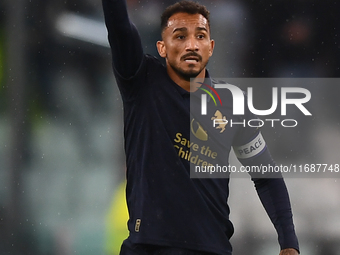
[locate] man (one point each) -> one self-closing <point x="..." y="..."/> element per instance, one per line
<point x="171" y="213"/>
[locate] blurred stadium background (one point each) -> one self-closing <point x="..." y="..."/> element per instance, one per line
<point x="61" y="146"/>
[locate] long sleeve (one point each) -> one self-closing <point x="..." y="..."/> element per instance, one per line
<point x="124" y="39"/>
<point x="274" y="197"/>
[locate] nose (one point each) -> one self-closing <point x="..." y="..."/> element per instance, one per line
<point x="191" y="44"/>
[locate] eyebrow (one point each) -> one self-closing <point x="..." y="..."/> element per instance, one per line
<point x="184" y="29"/>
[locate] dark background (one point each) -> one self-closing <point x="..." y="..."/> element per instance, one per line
<point x="61" y="159"/>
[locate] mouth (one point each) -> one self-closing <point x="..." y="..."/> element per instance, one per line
<point x="192" y="58"/>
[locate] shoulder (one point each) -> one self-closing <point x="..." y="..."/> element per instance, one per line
<point x="150" y="70"/>
<point x="153" y="61"/>
<point x="149" y="65"/>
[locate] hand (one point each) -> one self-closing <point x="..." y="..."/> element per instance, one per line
<point x="289" y="251"/>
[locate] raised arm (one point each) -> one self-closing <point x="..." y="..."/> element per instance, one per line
<point x="124" y="39"/>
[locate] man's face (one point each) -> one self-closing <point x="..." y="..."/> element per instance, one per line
<point x="186" y="44"/>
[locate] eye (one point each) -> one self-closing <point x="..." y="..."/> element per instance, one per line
<point x="201" y="36"/>
<point x="181" y="37"/>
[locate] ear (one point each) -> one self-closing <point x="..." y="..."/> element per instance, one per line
<point x="161" y="48"/>
<point x="212" y="45"/>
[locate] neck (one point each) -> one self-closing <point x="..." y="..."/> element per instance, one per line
<point x="183" y="82"/>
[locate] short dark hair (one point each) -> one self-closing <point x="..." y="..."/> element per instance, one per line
<point x="189" y="7"/>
